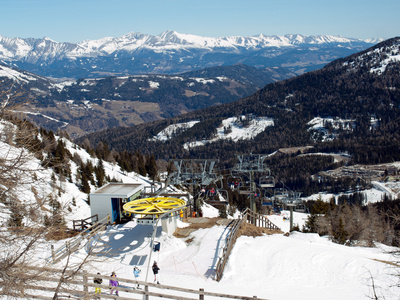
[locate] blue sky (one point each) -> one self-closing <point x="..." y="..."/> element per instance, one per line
<point x="78" y="20"/>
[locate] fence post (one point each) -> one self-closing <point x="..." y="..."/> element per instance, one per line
<point x="201" y="295"/>
<point x="85" y="281"/>
<point x="52" y="254"/>
<point x="146" y="295"/>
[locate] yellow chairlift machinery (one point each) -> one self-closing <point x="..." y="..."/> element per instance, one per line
<point x="153" y="205"/>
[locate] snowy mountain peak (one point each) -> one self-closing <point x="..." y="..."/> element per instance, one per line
<point x="173" y="39"/>
<point x="146" y="53"/>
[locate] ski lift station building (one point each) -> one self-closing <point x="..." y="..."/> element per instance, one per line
<point x="109" y="199"/>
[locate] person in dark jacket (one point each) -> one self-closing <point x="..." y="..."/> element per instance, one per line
<point x="97" y="290"/>
<point x="155" y="272"/>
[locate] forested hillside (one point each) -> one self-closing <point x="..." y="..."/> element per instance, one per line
<point x="357" y="98"/>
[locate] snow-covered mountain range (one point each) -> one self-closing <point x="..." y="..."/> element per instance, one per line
<point x="173" y="52"/>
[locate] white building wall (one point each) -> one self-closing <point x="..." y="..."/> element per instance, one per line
<point x="170" y="224"/>
<point x="100" y="205"/>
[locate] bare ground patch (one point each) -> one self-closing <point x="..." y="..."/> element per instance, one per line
<point x="251" y="230"/>
<point x="208" y="223"/>
<point x="247" y="229"/>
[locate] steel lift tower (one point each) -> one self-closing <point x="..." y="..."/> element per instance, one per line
<point x="194" y="173"/>
<point x="253" y="166"/>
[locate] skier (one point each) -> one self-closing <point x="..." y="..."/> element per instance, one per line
<point x="136" y="272"/>
<point x="155" y="272"/>
<point x="113" y="283"/>
<point x="96" y="280"/>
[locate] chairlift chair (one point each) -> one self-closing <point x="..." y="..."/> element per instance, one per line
<point x="281" y="194"/>
<point x="220" y="198"/>
<point x="267" y="182"/>
<point x="211" y="193"/>
<point x="245" y="189"/>
<point x="234" y="182"/>
<point x="301" y="208"/>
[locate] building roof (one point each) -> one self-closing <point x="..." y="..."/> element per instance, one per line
<point x="124" y="190"/>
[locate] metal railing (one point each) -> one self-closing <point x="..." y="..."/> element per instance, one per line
<point x="247" y="216"/>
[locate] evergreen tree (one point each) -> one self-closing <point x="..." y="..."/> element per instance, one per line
<point x="140" y="164"/>
<point x="151" y="168"/>
<point x="339" y="234"/>
<point x="85" y="174"/>
<point x="311" y="224"/>
<point x="100" y="173"/>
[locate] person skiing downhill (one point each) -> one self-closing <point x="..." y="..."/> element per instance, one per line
<point x="155" y="272"/>
<point x="136" y="272"/>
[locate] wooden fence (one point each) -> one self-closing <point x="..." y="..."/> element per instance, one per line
<point x="73" y="245"/>
<point x="79" y="285"/>
<point x="84" y="224"/>
<point x="258" y="220"/>
<point x="247" y="216"/>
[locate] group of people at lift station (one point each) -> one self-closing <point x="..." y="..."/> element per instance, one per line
<point x="113" y="283"/>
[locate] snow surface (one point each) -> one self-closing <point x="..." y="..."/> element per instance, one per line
<point x="298" y="266"/>
<point x="170" y="130"/>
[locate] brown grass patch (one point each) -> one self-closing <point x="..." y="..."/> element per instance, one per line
<point x="60" y="234"/>
<point x="189" y="240"/>
<point x="251" y="230"/>
<point x="247" y="229"/>
<point x="209" y="222"/>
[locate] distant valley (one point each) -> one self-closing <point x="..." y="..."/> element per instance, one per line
<point x="88" y="105"/>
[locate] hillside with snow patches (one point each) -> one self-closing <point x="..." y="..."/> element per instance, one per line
<point x="87" y="105"/>
<point x="230" y="129"/>
<point x="378" y="59"/>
